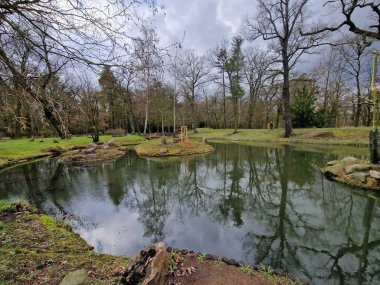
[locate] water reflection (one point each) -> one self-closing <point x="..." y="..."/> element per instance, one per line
<point x="261" y="205"/>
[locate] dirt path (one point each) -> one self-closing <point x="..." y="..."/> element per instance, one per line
<point x="194" y="270"/>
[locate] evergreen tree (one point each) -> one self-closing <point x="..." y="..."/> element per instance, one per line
<point x="235" y="66"/>
<point x="109" y="85"/>
<point x="303" y="109"/>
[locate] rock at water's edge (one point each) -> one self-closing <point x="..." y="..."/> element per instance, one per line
<point x="354" y="172"/>
<point x="92" y="145"/>
<point x="334" y="171"/>
<point x="89" y="150"/>
<point x="332" y="163"/>
<point x="112" y="143"/>
<point x="374" y="174"/>
<point x="78" y="277"/>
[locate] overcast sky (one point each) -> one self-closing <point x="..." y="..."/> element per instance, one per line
<point x="207" y="22"/>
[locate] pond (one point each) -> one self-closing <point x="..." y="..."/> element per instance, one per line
<point x="268" y="205"/>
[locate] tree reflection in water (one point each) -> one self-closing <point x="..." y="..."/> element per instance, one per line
<point x="261" y="204"/>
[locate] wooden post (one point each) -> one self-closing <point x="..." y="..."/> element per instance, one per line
<point x="184" y="136"/>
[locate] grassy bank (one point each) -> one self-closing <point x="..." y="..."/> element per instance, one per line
<point x="153" y="148"/>
<point x="19" y="150"/>
<point x="327" y="136"/>
<point x="35" y="249"/>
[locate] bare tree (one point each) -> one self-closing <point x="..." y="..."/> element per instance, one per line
<point x="280" y="22"/>
<point x="192" y="74"/>
<point x="149" y="59"/>
<point x="70" y="30"/>
<point x="127" y="79"/>
<point x="92" y="105"/>
<point x="348" y="9"/>
<point x="257" y="71"/>
<point x="219" y="59"/>
<point x="354" y="55"/>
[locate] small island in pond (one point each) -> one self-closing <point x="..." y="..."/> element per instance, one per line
<point x="94" y="152"/>
<point x="354" y="172"/>
<point x="172" y="147"/>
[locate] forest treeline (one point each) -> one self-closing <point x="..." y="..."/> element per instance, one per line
<point x="71" y="68"/>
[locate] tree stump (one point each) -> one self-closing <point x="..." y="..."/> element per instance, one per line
<point x="149" y="268"/>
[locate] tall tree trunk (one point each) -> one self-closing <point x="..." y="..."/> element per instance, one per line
<point x="358" y="107"/>
<point x="18" y="115"/>
<point x="174" y="107"/>
<point x="278" y="114"/>
<point x="236" y="115"/>
<point x="131" y="115"/>
<point x="373" y="136"/>
<point x="162" y="123"/>
<point x="208" y="119"/>
<point x="327" y="84"/>
<point x="111" y="122"/>
<point x="146" y="117"/>
<point x="29" y="123"/>
<point x="224" y="102"/>
<point x="250" y="107"/>
<point x="286" y="96"/>
<point x="193" y="118"/>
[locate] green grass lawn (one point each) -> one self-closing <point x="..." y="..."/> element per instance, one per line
<point x="12" y="151"/>
<point x="333" y="136"/>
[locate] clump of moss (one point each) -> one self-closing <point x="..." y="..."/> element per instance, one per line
<point x="2" y="226"/>
<point x="4" y="206"/>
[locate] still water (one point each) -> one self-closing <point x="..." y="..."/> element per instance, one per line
<point x="265" y="205"/>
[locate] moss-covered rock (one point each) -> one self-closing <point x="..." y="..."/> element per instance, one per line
<point x="356" y="168"/>
<point x="94" y="153"/>
<point x="334" y="170"/>
<point x="334" y="162"/>
<point x="354" y="172"/>
<point x="78" y="277"/>
<point x="360" y="177"/>
<point x="349" y="160"/>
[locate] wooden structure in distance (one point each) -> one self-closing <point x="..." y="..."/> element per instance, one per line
<point x="184" y="136"/>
